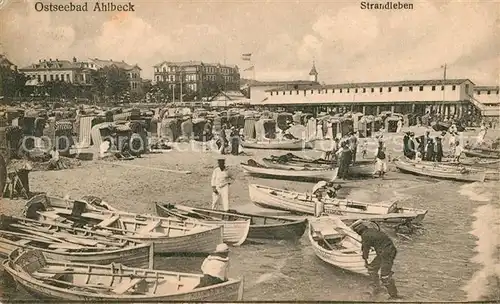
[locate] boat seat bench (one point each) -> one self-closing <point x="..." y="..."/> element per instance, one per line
<point x="53" y="274"/>
<point x="125" y="286"/>
<point x="149" y="227"/>
<point x="108" y="221"/>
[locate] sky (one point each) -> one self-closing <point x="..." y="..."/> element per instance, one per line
<point x="346" y="43"/>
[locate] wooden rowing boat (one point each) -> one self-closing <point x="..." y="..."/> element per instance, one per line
<point x="261" y="227"/>
<point x="296" y="144"/>
<point x="482" y="153"/>
<point x="236" y="227"/>
<point x="60" y="280"/>
<point x="358" y="169"/>
<point x="337" y="244"/>
<point x="302" y="203"/>
<point x="491" y="167"/>
<point x="292" y="158"/>
<point x="169" y="235"/>
<point x="71" y="244"/>
<point x="92" y="203"/>
<point x="440" y="171"/>
<point x="304" y="174"/>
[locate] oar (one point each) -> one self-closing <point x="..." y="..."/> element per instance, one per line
<point x="26" y="237"/>
<point x="67" y="237"/>
<point x="83" y="237"/>
<point x="123" y="275"/>
<point x="320" y="235"/>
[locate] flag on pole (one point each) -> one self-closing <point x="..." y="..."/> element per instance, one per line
<point x="246" y="57"/>
<point x="249" y="68"/>
<point x="444" y="72"/>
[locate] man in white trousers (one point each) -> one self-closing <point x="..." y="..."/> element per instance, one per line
<point x="220" y="185"/>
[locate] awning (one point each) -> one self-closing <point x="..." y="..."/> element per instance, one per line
<point x="32" y="83"/>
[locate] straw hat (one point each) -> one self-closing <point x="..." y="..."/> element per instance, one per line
<point x="222" y="248"/>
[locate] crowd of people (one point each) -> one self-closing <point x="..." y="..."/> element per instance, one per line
<point x="428" y="148"/>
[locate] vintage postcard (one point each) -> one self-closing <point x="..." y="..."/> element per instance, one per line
<point x="277" y="151"/>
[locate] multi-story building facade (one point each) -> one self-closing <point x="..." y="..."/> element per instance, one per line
<point x="197" y="75"/>
<point x="78" y="72"/>
<point x="58" y="70"/>
<point x="133" y="71"/>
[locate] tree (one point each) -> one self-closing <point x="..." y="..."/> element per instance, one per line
<point x="110" y="81"/>
<point x="12" y="83"/>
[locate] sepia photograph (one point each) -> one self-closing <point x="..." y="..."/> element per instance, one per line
<point x="249" y="151"/>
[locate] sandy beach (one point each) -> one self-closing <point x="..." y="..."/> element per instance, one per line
<point x="448" y="253"/>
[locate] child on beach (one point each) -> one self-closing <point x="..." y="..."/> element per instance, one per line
<point x="458" y="152"/>
<point x="418" y="157"/>
<point x="364" y="148"/>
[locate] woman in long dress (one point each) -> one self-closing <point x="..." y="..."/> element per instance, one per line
<point x="319" y="130"/>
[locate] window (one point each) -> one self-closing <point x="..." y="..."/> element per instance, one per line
<point x="467" y="87"/>
<point x="373" y="90"/>
<point x="400" y="89"/>
<point x="442" y="88"/>
<point x="312" y="91"/>
<point x="388" y="89"/>
<point x="478" y="92"/>
<point x="355" y="90"/>
<point x="164" y="69"/>
<point x="348" y="90"/>
<point x="39" y="78"/>
<point x="157" y="78"/>
<point x="364" y="90"/>
<point x="433" y="88"/>
<point x="290" y="92"/>
<point x="283" y="92"/>
<point x="488" y="92"/>
<point x="453" y="88"/>
<point x="51" y="77"/>
<point x="45" y="78"/>
<point x="340" y="90"/>
<point x="297" y="92"/>
<point x="410" y="89"/>
<point x="421" y="88"/>
<point x="305" y="93"/>
<point x="319" y="91"/>
<point x="380" y="90"/>
<point x="271" y="93"/>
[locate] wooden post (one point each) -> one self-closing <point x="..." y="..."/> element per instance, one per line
<point x="241" y="289"/>
<point x="152" y="256"/>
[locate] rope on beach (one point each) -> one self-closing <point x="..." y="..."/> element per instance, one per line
<point x="144" y="167"/>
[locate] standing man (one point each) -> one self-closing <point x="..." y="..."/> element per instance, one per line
<point x="438" y="150"/>
<point x="386" y="253"/>
<point x="353" y="145"/>
<point x="422" y="143"/>
<point x="380" y="161"/>
<point x="344" y="160"/>
<point x="220" y="185"/>
<point x="215" y="267"/>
